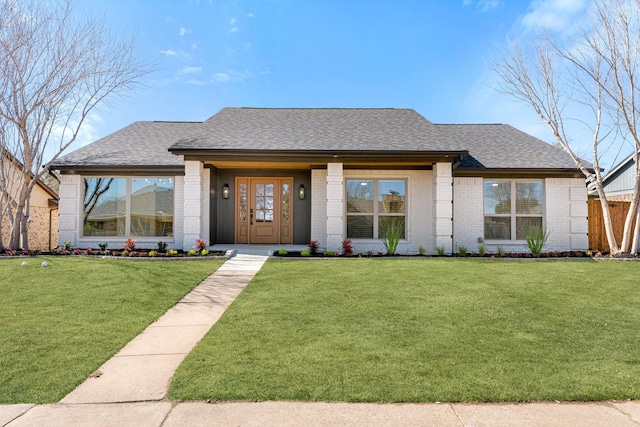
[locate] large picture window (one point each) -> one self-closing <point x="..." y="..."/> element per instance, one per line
<point x="507" y="217"/>
<point x="374" y="205"/>
<point x="120" y="207"/>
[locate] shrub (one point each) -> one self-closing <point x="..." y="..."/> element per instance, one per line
<point x="152" y="254"/>
<point x="200" y="245"/>
<point x="103" y="246"/>
<point x="204" y="252"/>
<point x="440" y="250"/>
<point x="392" y="237"/>
<point x="536" y="238"/>
<point x="347" y="248"/>
<point x="482" y="249"/>
<point x="422" y="250"/>
<point x="129" y="245"/>
<point x="313" y="247"/>
<point x="329" y="253"/>
<point x="162" y="246"/>
<point x="500" y="251"/>
<point x="305" y="253"/>
<point x="282" y="252"/>
<point x="172" y="252"/>
<point x="192" y="252"/>
<point x="462" y="250"/>
<point x="67" y="245"/>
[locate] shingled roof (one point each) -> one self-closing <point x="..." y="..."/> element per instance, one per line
<point x="138" y="144"/>
<point x="313" y="129"/>
<point x="255" y="130"/>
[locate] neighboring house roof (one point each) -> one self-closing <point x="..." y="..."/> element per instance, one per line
<point x="14" y="162"/>
<point x="386" y="131"/>
<point x="620" y="180"/>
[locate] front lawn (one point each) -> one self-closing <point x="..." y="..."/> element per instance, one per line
<point x="416" y="330"/>
<point x="60" y="323"/>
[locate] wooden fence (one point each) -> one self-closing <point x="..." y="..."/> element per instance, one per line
<point x="597" y="234"/>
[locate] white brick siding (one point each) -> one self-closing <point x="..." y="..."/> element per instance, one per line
<point x="70" y="214"/>
<point x="468" y="213"/>
<point x="565" y="215"/>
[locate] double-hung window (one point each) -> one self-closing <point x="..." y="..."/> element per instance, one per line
<point x="511" y="208"/>
<point x="375" y="205"/>
<point x="122" y="207"/>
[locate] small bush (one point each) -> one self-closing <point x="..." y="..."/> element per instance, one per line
<point x="282" y="252"/>
<point x="392" y="236"/>
<point x="500" y="251"/>
<point x="305" y="253"/>
<point x="313" y="247"/>
<point x="153" y="254"/>
<point x="329" y="253"/>
<point x="200" y="245"/>
<point x="162" y="246"/>
<point x="536" y="239"/>
<point x="421" y="250"/>
<point x="192" y="252"/>
<point x="482" y="249"/>
<point x="103" y="246"/>
<point x="347" y="248"/>
<point x="440" y="250"/>
<point x="462" y="250"/>
<point x="204" y="252"/>
<point x="129" y="245"/>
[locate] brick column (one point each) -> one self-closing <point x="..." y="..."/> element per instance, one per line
<point x="335" y="206"/>
<point x="193" y="203"/>
<point x="442" y="206"/>
<point x="69" y="210"/>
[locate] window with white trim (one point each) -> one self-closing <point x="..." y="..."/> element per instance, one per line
<point x="374" y="205"/>
<point x="123" y="207"/>
<point x="507" y="217"/>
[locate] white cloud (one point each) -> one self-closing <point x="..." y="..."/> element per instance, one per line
<point x="190" y="70"/>
<point x="227" y="77"/>
<point x="169" y="52"/>
<point x="250" y="15"/>
<point x="220" y="77"/>
<point x="554" y="15"/>
<point x="233" y="21"/>
<point x="183" y="31"/>
<point x="234" y="30"/>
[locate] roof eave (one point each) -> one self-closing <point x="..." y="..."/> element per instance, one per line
<point x="119" y="169"/>
<point x="320" y="156"/>
<point x="520" y="172"/>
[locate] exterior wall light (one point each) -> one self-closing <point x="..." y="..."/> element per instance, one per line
<point x="225" y="191"/>
<point x="301" y="192"/>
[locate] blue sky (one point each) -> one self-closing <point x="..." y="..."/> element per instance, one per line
<point x="429" y="55"/>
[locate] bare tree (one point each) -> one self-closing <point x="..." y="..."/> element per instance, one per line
<point x="590" y="79"/>
<point x="56" y="66"/>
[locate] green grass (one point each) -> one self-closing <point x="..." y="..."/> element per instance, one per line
<point x="417" y="330"/>
<point x="59" y="324"/>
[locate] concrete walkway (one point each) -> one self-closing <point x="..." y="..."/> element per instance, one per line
<point x="130" y="389"/>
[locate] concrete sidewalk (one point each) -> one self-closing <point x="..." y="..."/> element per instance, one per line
<point x="143" y="369"/>
<point x="174" y="414"/>
<point x="130" y="389"/>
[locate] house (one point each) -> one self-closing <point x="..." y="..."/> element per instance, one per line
<point x="287" y="176"/>
<point x="43" y="208"/>
<point x="618" y="183"/>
